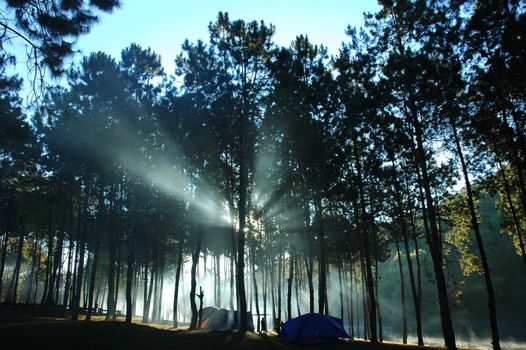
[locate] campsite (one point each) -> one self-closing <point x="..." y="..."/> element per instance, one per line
<point x="320" y="174"/>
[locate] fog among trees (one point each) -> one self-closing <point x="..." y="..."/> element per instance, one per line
<point x="384" y="185"/>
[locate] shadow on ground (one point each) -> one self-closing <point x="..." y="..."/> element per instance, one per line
<point x="47" y="334"/>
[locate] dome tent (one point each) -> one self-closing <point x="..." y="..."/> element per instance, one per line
<point x="313" y="327"/>
<point x="214" y="318"/>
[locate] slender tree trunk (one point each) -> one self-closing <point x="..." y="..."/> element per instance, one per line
<point x="193" y="283"/>
<point x="82" y="250"/>
<point x="98" y="234"/>
<point x="482" y="252"/>
<point x="110" y="314"/>
<point x="380" y="326"/>
<point x="77" y="251"/>
<point x="200" y="313"/>
<point x="67" y="286"/>
<point x="49" y="260"/>
<point x="34" y="255"/>
<point x="129" y="276"/>
<point x="2" y="262"/>
<point x="57" y="262"/>
<point x="12" y="297"/>
<point x="117" y="276"/>
<point x="177" y="279"/>
<point x="357" y="308"/>
<point x="351" y="308"/>
<point x="158" y="316"/>
<point x="265" y="291"/>
<point x="146" y="306"/>
<point x="367" y="256"/>
<point x="87" y="273"/>
<point x="130" y="261"/>
<point x="416" y="294"/>
<point x="309" y="258"/>
<point x="445" y="316"/>
<point x="418" y="266"/>
<point x="289" y="287"/>
<point x="402" y="291"/>
<point x="37" y="274"/>
<point x="218" y="262"/>
<point x="296" y="283"/>
<point x="243" y="186"/>
<point x="340" y="282"/>
<point x="322" y="273"/>
<point x="272" y="288"/>
<point x="256" y="295"/>
<point x="516" y="221"/>
<point x="278" y="284"/>
<point x="146" y="311"/>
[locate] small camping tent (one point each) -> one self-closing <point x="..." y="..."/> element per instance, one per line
<point x="312" y="327"/>
<point x="214" y="318"/>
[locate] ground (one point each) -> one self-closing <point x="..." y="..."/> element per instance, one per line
<point x="26" y="331"/>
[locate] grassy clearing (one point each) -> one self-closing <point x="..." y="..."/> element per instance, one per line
<point x="56" y="334"/>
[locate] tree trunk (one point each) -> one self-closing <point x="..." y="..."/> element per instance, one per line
<point x="254" y="281"/>
<point x="77" y="251"/>
<point x="243" y="186"/>
<point x="67" y="285"/>
<point x="416" y="294"/>
<point x="351" y="308"/>
<point x="5" y="243"/>
<point x="380" y="327"/>
<point x="12" y="296"/>
<point x="177" y="279"/>
<point x="278" y="284"/>
<point x="193" y="283"/>
<point x="402" y="292"/>
<point x="516" y="221"/>
<point x="322" y="265"/>
<point x="82" y="250"/>
<point x="117" y="276"/>
<point x="309" y="259"/>
<point x="289" y="287"/>
<point x="32" y="271"/>
<point x="367" y="256"/>
<point x="57" y="262"/>
<point x="482" y="252"/>
<point x="49" y="260"/>
<point x="130" y="273"/>
<point x="296" y="283"/>
<point x="445" y="316"/>
<point x="98" y="234"/>
<point x="110" y="314"/>
<point x="37" y="274"/>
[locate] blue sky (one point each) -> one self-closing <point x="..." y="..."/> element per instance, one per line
<point x="163" y="25"/>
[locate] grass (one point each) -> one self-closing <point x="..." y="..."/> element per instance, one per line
<point x="43" y="333"/>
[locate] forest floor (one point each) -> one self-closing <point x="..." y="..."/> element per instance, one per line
<point x="28" y="331"/>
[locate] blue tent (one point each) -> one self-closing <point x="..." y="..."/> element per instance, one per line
<point x="308" y="327"/>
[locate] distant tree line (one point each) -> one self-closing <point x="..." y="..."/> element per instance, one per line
<point x="280" y="164"/>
